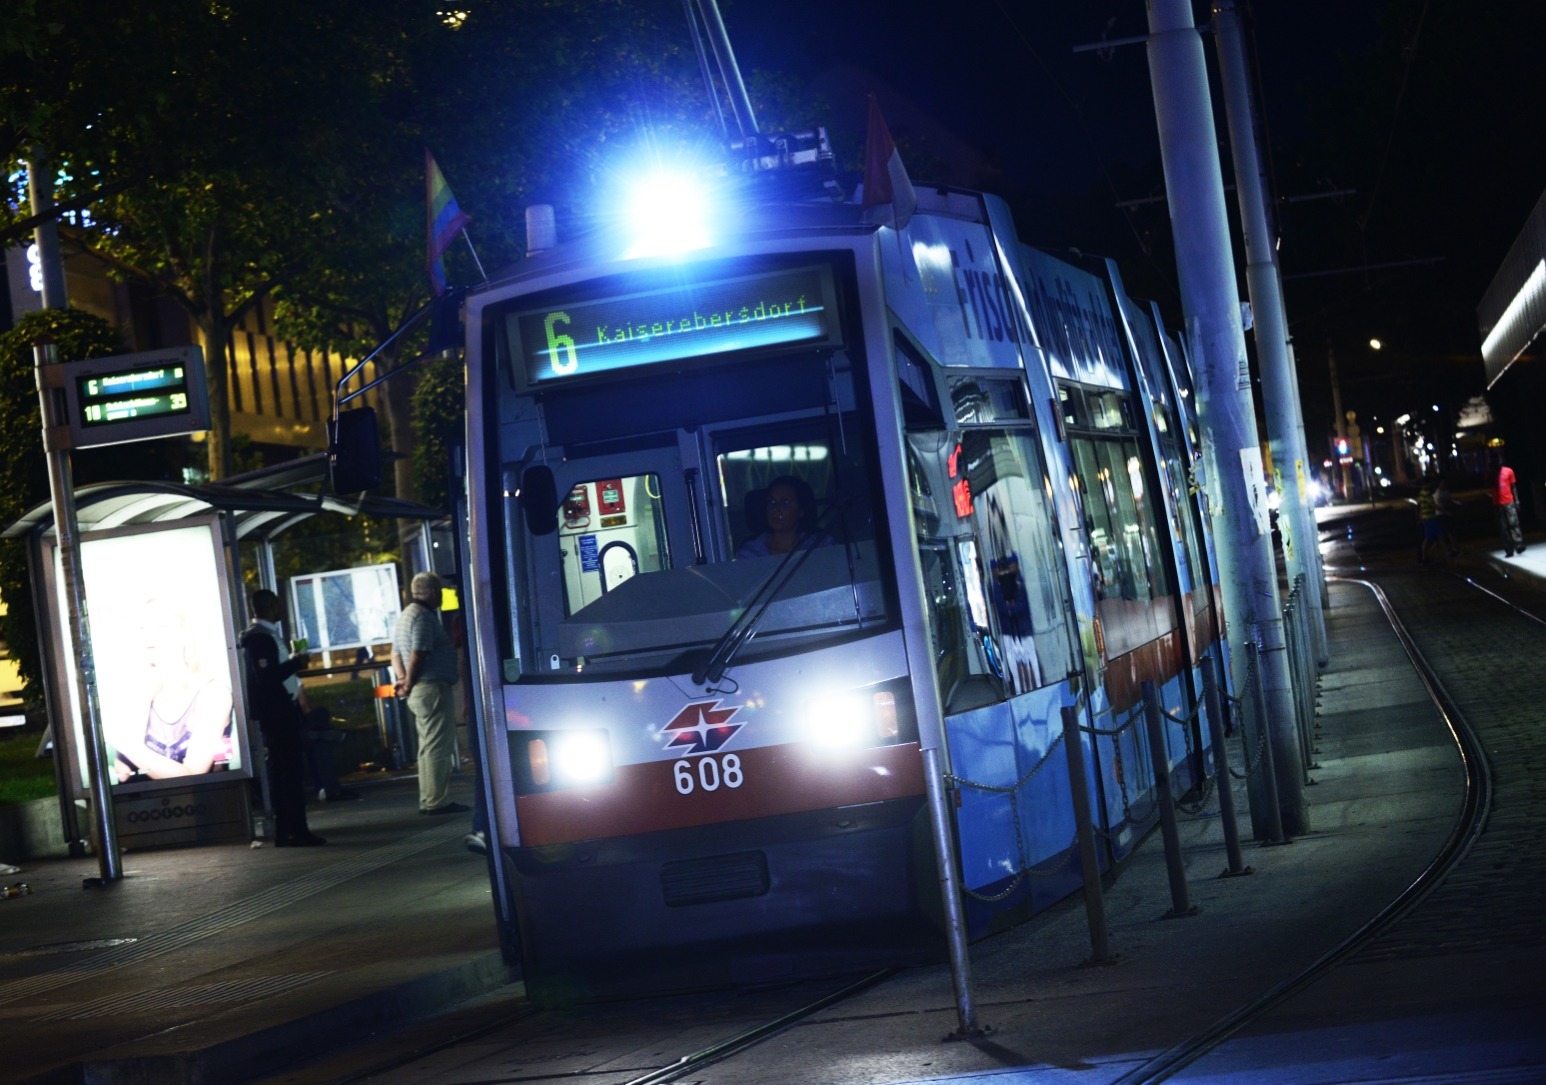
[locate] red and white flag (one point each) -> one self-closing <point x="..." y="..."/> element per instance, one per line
<point x="889" y="199"/>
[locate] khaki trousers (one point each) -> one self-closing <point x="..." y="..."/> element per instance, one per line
<point x="433" y="713"/>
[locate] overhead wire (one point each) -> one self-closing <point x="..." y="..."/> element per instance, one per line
<point x="1084" y="127"/>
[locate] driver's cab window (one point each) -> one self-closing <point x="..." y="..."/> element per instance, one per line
<point x="609" y="531"/>
<point x="780" y="487"/>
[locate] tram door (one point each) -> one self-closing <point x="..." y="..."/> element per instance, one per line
<point x="994" y="587"/>
<point x="1134" y="597"/>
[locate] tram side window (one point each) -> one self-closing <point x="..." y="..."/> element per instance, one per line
<point x="990" y="564"/>
<point x="1175" y="469"/>
<point x="1117" y="510"/>
<point x="610" y="530"/>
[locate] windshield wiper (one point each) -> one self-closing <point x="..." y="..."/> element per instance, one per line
<point x="741" y="630"/>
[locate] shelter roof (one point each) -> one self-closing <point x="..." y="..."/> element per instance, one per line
<point x="263" y="502"/>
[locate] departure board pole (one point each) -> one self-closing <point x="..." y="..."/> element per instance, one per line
<point x="61" y="483"/>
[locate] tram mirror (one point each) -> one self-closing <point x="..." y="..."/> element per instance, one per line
<point x="539" y="500"/>
<point x="353" y="451"/>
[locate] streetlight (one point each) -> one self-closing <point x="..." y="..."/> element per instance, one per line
<point x="1375" y="344"/>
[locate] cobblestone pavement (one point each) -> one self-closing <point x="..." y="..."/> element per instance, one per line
<point x="1492" y="662"/>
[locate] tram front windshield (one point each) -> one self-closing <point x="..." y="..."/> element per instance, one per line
<point x="686" y="490"/>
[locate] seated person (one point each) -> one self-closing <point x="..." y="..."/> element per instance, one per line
<point x="789" y="511"/>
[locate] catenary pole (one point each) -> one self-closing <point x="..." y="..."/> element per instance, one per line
<point x="1315" y="551"/>
<point x="1269" y="323"/>
<point x="40" y="188"/>
<point x="61" y="482"/>
<point x="1194" y="188"/>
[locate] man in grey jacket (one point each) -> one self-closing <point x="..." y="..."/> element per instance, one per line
<point x="424" y="661"/>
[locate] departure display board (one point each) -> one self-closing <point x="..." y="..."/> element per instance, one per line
<point x="135" y="397"/>
<point x="717" y="316"/>
<point x="136" y="393"/>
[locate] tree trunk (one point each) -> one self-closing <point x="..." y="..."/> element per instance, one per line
<point x="216" y="335"/>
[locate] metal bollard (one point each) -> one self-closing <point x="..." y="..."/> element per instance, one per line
<point x="1180" y="904"/>
<point x="1264" y="736"/>
<point x="1089" y="862"/>
<point x="1210" y="698"/>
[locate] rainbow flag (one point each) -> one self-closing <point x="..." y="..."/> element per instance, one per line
<point x="445" y="220"/>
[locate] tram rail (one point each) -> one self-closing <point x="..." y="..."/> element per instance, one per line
<point x="1468" y="828"/>
<point x="1476" y="805"/>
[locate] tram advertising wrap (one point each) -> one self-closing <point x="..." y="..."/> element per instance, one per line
<point x="162" y="647"/>
<point x="714" y="317"/>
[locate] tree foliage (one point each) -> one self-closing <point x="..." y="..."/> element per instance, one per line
<point x="23" y="469"/>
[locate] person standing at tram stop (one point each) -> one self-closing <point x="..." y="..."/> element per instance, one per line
<point x="272" y="704"/>
<point x="1433" y="528"/>
<point x="424" y="660"/>
<point x="1505" y="501"/>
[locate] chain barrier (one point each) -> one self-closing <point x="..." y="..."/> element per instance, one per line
<point x="1193" y="810"/>
<point x="1115" y="735"/>
<point x="1253" y="760"/>
<point x="1013" y="791"/>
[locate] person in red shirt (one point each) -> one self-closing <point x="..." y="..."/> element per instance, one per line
<point x="1505" y="501"/>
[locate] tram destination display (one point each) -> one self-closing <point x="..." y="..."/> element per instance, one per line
<point x="136" y="397"/>
<point x="716" y="316"/>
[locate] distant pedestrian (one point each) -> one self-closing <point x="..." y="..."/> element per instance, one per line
<point x="279" y="717"/>
<point x="1505" y="502"/>
<point x="425" y="662"/>
<point x="1446" y="504"/>
<point x="1428" y="515"/>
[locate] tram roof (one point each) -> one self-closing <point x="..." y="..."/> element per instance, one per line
<point x="752" y="220"/>
<point x="264" y="502"/>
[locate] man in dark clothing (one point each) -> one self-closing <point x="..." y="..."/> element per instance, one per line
<point x="271" y="703"/>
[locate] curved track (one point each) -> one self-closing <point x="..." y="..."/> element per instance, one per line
<point x="1376" y="938"/>
<point x="1477" y="803"/>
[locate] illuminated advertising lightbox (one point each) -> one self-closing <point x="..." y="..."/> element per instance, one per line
<point x="165" y="655"/>
<point x="717" y="316"/>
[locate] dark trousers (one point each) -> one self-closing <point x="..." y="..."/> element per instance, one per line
<point x="319" y="752"/>
<point x="1508" y="527"/>
<point x="285" y="769"/>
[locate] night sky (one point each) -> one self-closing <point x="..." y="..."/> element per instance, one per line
<point x="1451" y="173"/>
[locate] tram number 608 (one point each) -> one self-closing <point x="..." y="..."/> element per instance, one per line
<point x="710" y="774"/>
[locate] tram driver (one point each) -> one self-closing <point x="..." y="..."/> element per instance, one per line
<point x="788" y="511"/>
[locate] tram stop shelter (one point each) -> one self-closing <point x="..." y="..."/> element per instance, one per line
<point x="167" y="600"/>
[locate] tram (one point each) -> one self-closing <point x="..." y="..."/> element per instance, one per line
<point x="761" y="503"/>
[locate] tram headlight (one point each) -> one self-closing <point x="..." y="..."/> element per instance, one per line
<point x="839" y="721"/>
<point x="581" y="757"/>
<point x="850" y="719"/>
<point x="666" y="213"/>
<point x="554" y="759"/>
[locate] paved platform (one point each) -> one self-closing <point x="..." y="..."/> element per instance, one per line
<point x="1385" y="800"/>
<point x="221" y="964"/>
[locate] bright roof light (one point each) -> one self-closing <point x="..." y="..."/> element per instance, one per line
<point x="666" y="213"/>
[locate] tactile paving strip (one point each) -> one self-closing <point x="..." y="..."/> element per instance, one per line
<point x="176" y="998"/>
